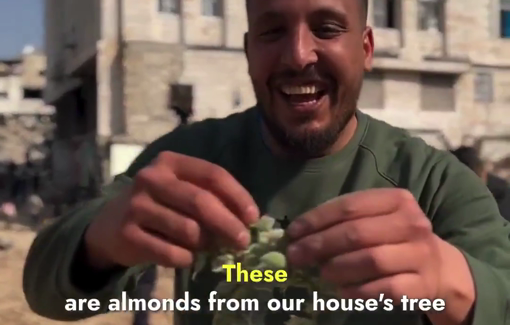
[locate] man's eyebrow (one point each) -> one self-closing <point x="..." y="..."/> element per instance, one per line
<point x="268" y="16"/>
<point x="324" y="12"/>
<point x="332" y="13"/>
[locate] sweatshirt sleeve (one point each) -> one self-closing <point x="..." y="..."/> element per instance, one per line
<point x="465" y="214"/>
<point x="48" y="275"/>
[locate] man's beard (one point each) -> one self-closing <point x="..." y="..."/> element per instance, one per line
<point x="305" y="143"/>
<point x="308" y="144"/>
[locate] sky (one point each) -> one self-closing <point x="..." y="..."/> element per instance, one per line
<point x="21" y="23"/>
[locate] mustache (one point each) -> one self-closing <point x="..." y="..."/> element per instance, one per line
<point x="310" y="73"/>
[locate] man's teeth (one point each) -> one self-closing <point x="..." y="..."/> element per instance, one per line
<point x="300" y="90"/>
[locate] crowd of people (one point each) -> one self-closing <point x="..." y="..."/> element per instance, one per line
<point x="498" y="186"/>
<point x="20" y="200"/>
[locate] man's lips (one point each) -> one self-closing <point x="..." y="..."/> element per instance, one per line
<point x="301" y="86"/>
<point x="304" y="98"/>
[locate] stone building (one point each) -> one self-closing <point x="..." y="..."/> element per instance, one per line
<point x="117" y="67"/>
<point x="25" y="120"/>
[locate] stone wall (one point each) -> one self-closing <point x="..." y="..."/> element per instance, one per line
<point x="149" y="70"/>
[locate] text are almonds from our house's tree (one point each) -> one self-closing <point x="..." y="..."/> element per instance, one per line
<point x="127" y="304"/>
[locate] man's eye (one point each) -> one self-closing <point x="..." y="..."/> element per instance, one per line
<point x="272" y="33"/>
<point x="328" y="31"/>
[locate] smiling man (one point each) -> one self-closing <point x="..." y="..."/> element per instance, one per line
<point x="379" y="212"/>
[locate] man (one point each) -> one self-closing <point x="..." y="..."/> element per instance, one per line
<point x="499" y="188"/>
<point x="16" y="187"/>
<point x="380" y="213"/>
<point x="144" y="289"/>
<point x="8" y="215"/>
<point x="34" y="207"/>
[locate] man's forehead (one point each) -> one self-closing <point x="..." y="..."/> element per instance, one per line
<point x="259" y="7"/>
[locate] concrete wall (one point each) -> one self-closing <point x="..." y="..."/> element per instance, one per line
<point x="216" y="84"/>
<point x="14" y="103"/>
<point x="142" y="21"/>
<point x="33" y="70"/>
<point x="149" y="70"/>
<point x="82" y="31"/>
<point x="54" y="46"/>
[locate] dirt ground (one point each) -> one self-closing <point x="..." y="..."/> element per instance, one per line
<point x="15" y="311"/>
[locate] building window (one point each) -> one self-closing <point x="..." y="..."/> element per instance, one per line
<point x="3" y="94"/>
<point x="213" y="8"/>
<point x="386" y="13"/>
<point x="32" y="93"/>
<point x="430" y="15"/>
<point x="170" y="6"/>
<point x="372" y="91"/>
<point x="181" y="101"/>
<point x="484" y="89"/>
<point x="505" y="18"/>
<point x="437" y="92"/>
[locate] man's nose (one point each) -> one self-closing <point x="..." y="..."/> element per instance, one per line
<point x="300" y="50"/>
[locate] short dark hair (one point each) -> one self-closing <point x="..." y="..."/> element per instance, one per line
<point x="469" y="157"/>
<point x="364" y="9"/>
<point x="363" y="4"/>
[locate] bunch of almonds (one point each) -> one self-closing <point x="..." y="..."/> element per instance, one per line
<point x="266" y="252"/>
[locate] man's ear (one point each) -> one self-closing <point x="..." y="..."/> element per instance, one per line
<point x="368" y="48"/>
<point x="245" y="44"/>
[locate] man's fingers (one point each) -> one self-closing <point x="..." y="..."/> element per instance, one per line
<point x="217" y="180"/>
<point x="350" y="236"/>
<point x="202" y="206"/>
<point x="371" y="264"/>
<point x="172" y="225"/>
<point x="156" y="249"/>
<point x="393" y="287"/>
<point x="349" y="207"/>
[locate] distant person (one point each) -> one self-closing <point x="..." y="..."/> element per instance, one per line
<point x="8" y="213"/>
<point x="144" y="290"/>
<point x="13" y="181"/>
<point x="35" y="205"/>
<point x="499" y="188"/>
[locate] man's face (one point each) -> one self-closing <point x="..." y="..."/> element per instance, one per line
<point x="306" y="60"/>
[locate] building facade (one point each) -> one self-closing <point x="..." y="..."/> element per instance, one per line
<point x="25" y="120"/>
<point x="117" y="68"/>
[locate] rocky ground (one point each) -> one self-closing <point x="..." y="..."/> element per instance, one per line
<point x="15" y="311"/>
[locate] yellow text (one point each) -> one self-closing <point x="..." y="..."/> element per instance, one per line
<point x="241" y="275"/>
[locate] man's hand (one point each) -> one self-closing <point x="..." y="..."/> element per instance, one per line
<point x="378" y="242"/>
<point x="176" y="206"/>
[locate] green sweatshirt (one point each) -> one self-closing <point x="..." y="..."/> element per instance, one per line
<point x="461" y="208"/>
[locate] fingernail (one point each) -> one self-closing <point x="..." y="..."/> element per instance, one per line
<point x="296" y="229"/>
<point x="252" y="214"/>
<point x="244" y="238"/>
